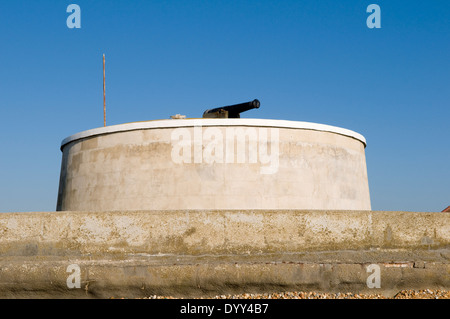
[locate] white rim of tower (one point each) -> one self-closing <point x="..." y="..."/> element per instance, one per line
<point x="175" y="123"/>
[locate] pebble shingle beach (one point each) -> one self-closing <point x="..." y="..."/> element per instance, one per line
<point x="403" y="294"/>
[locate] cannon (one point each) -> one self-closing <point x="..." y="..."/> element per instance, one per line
<point x="231" y="111"/>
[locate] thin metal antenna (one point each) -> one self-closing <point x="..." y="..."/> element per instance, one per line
<point x="104" y="88"/>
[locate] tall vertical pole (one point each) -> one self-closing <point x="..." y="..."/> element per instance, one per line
<point x="104" y="99"/>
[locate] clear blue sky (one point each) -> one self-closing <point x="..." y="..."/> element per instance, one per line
<point x="312" y="60"/>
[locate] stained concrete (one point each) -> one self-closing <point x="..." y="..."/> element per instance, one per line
<point x="284" y="165"/>
<point x="209" y="252"/>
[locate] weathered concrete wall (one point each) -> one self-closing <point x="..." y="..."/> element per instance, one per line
<point x="294" y="165"/>
<point x="201" y="253"/>
<point x="218" y="232"/>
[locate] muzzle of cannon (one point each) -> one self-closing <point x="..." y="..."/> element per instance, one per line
<point x="231" y="111"/>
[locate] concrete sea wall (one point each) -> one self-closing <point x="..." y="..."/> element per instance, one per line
<point x="205" y="252"/>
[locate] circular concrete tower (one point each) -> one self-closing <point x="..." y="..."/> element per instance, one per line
<point x="214" y="163"/>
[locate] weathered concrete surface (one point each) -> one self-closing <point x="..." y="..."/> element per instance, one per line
<point x="218" y="232"/>
<point x="284" y="165"/>
<point x="200" y="253"/>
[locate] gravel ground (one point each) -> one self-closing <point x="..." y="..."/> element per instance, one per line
<point x="404" y="294"/>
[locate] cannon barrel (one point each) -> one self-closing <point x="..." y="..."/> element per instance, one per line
<point x="231" y="111"/>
